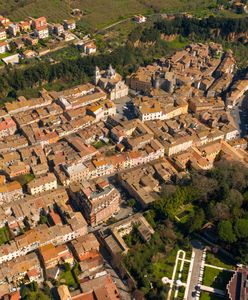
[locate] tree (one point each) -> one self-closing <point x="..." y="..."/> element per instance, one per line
<point x="33" y="286"/>
<point x="131" y="202"/>
<point x="25" y="292"/>
<point x="219" y="211"/>
<point x="67" y="267"/>
<point x="43" y="219"/>
<point x="241" y="228"/>
<point x="138" y="295"/>
<point x="225" y="232"/>
<point x="243" y="251"/>
<point x="196" y="221"/>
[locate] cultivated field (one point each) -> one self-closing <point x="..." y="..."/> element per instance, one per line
<point x="99" y="13"/>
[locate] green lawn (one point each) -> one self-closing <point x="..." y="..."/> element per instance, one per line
<point x="24" y="179"/>
<point x="6" y="54"/>
<point x="178" y="43"/>
<point x="216" y="278"/>
<point x="4" y="235"/>
<point x="99" y="144"/>
<point x="70" y="52"/>
<point x="67" y="278"/>
<point x="180" y="294"/>
<point x="219" y="261"/>
<point x="209" y="296"/>
<point x="164" y="266"/>
<point x="183" y="213"/>
<point x="185" y="272"/>
<point x="38" y="295"/>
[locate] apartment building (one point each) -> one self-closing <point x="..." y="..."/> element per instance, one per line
<point x="42" y="184"/>
<point x="57" y="29"/>
<point x="21" y="270"/>
<point x="94" y="288"/>
<point x="7" y="127"/>
<point x="174" y="145"/>
<point x="113" y="236"/>
<point x="98" y="201"/>
<point x="3" y="35"/>
<point x="101" y="110"/>
<point x="52" y="256"/>
<point x="10" y="192"/>
<point x="14" y="29"/>
<point x="25" y="25"/>
<point x="42" y="235"/>
<point x="142" y="79"/>
<point x="237" y="286"/>
<point x="84" y="246"/>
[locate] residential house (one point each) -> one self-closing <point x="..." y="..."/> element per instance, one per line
<point x="13" y="29"/>
<point x="39" y="22"/>
<point x="69" y="24"/>
<point x="89" y="47"/>
<point x="139" y="19"/>
<point x="4" y="47"/>
<point x="3" y="35"/>
<point x="42" y="32"/>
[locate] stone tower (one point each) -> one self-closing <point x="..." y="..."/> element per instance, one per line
<point x="97" y="75"/>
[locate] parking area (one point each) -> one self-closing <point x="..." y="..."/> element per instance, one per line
<point x="240" y="115"/>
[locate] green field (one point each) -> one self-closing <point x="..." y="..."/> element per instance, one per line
<point x="4" y="235"/>
<point x="99" y="13"/>
<point x="24" y="179"/>
<point x="67" y="278"/>
<point x="219" y="261"/>
<point x="209" y="296"/>
<point x="216" y="278"/>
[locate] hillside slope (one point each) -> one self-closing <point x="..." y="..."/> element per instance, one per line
<point x="98" y="12"/>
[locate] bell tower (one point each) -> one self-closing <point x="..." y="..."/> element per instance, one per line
<point x="97" y="75"/>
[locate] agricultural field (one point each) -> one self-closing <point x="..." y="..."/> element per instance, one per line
<point x="99" y="13"/>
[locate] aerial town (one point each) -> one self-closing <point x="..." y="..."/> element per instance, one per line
<point x="81" y="152"/>
<point x="21" y="40"/>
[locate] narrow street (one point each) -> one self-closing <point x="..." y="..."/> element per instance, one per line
<point x="195" y="274"/>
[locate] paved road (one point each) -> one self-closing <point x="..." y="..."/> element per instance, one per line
<point x="124" y="108"/>
<point x="195" y="270"/>
<point x="240" y="115"/>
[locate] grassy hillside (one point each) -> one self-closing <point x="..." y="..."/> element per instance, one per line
<point x="98" y="12"/>
<point x="55" y="10"/>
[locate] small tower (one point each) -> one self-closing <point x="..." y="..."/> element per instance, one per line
<point x="111" y="72"/>
<point x="97" y="75"/>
